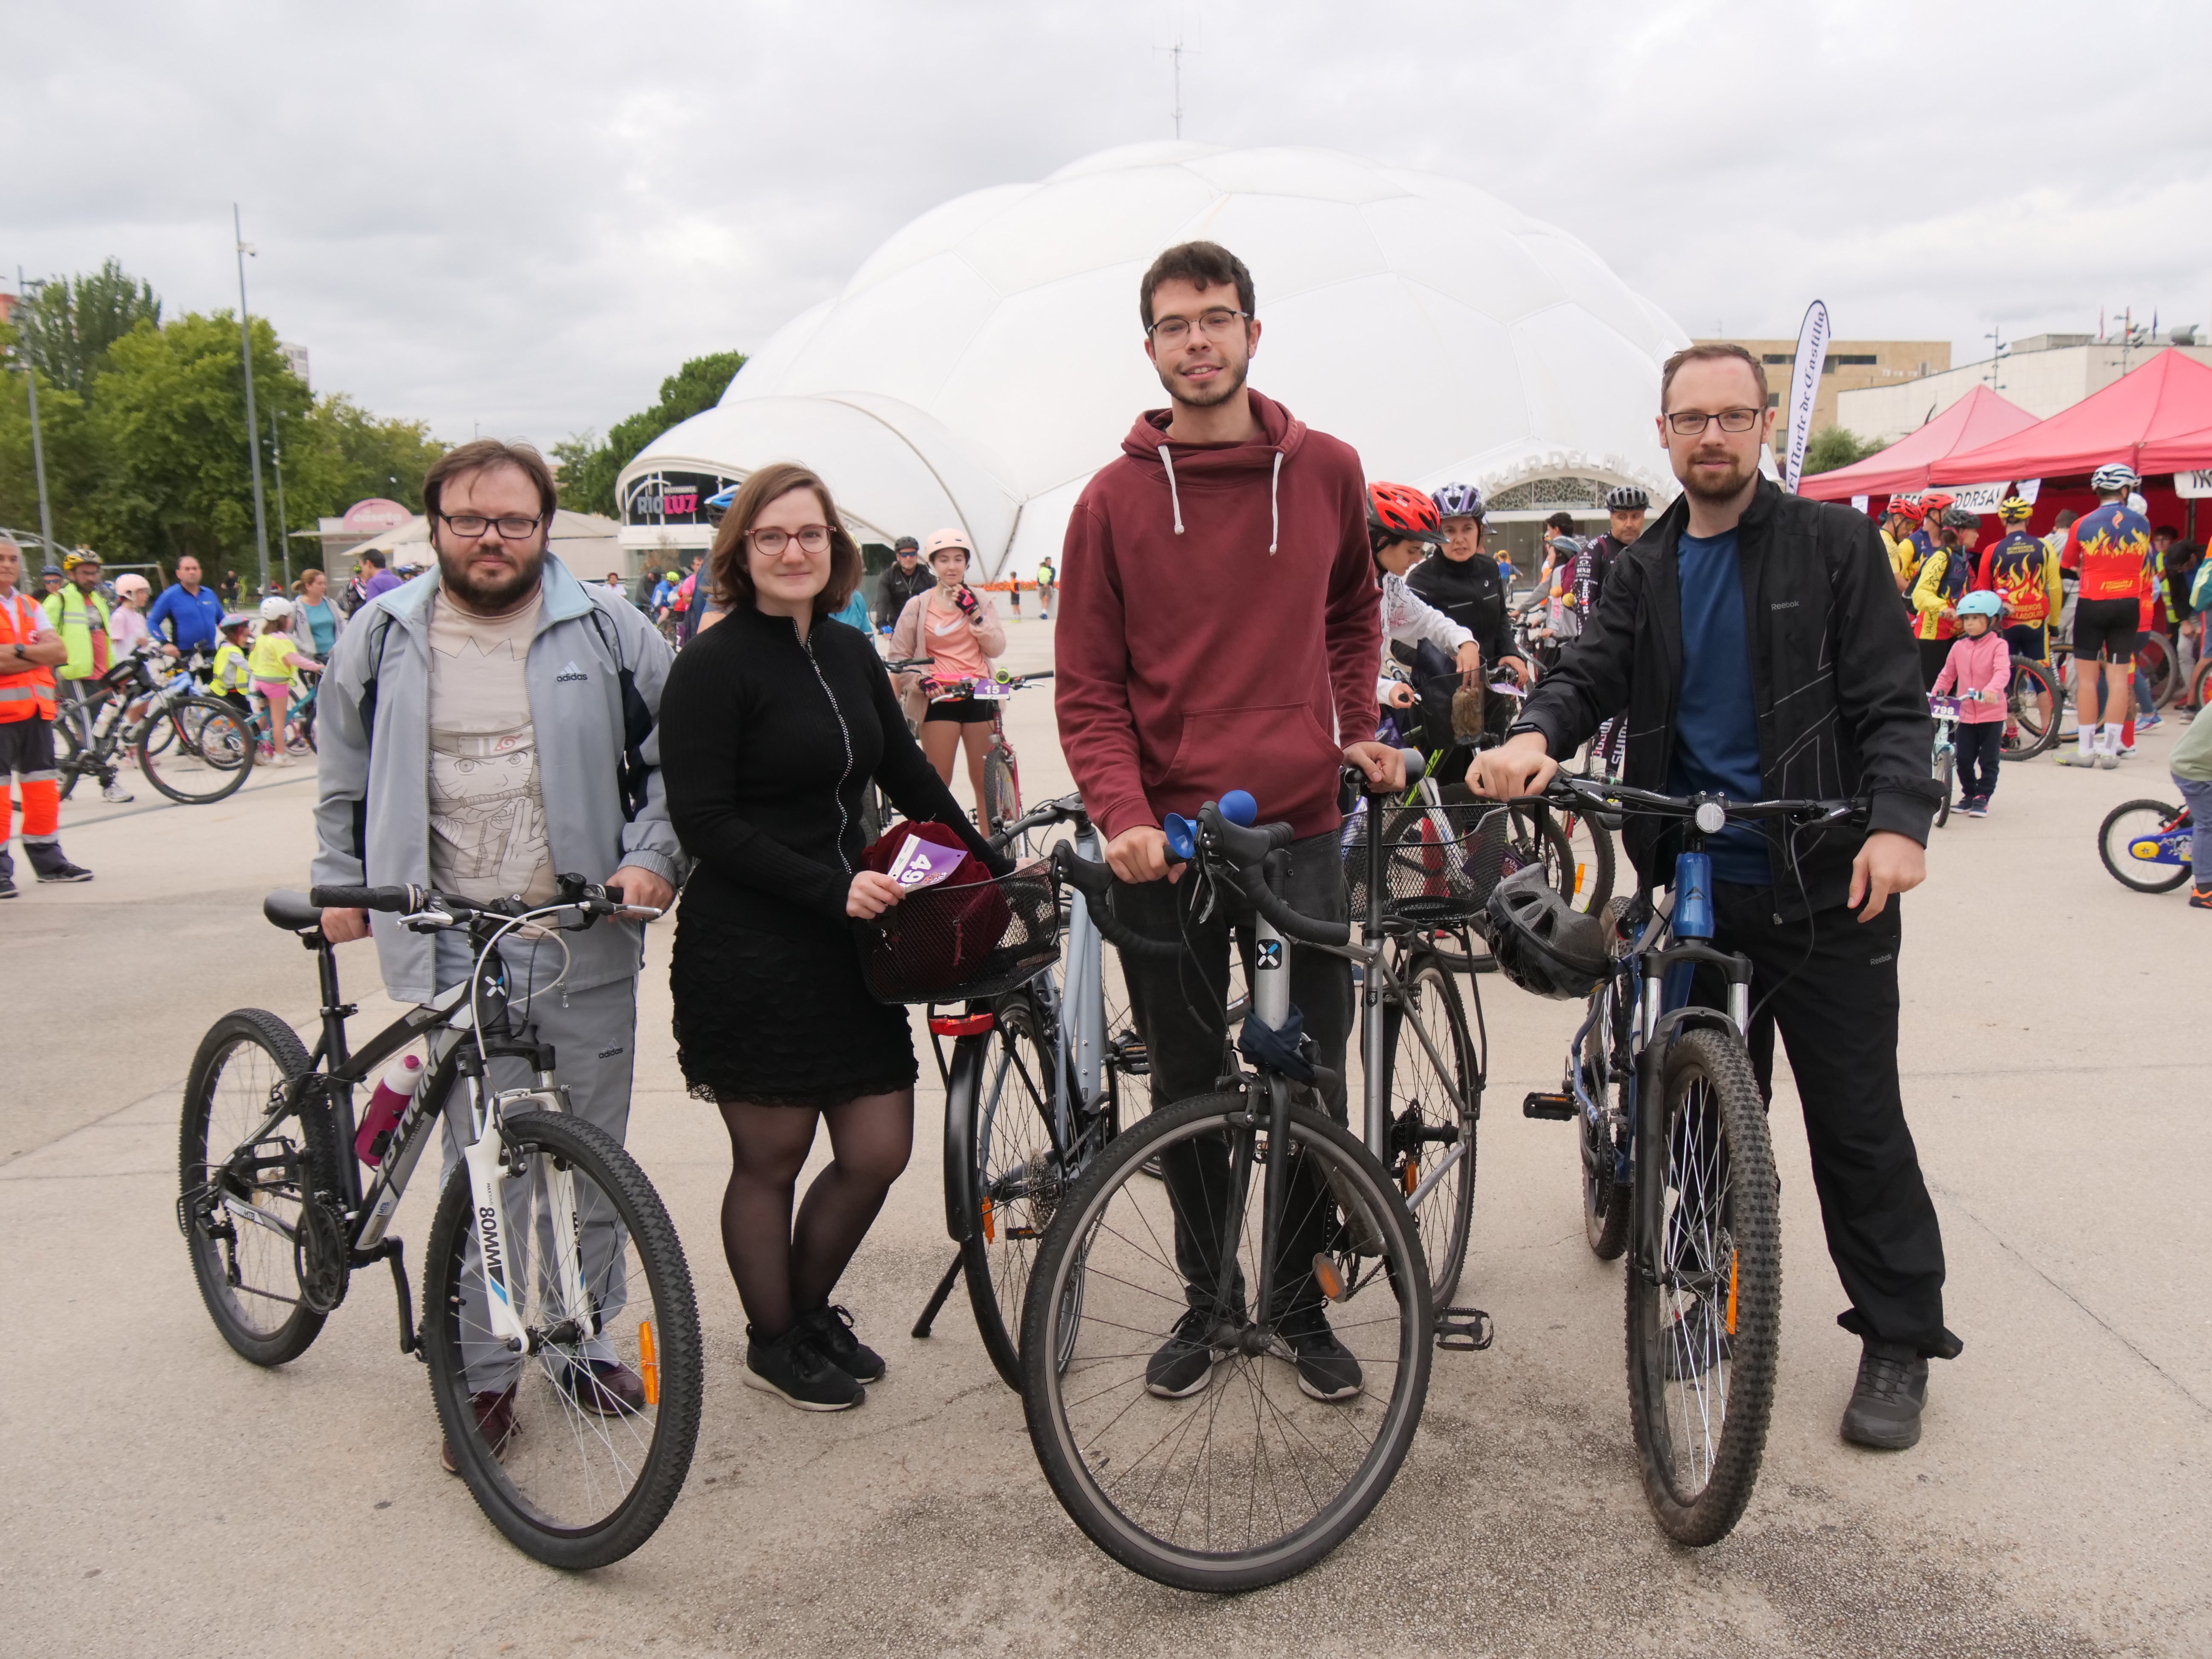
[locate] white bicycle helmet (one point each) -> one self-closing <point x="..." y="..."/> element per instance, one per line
<point x="276" y="608"/>
<point x="2114" y="478"/>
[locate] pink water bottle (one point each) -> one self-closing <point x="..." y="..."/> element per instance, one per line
<point x="402" y="1079"/>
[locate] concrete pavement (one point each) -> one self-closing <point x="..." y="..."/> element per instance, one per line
<point x="161" y="1495"/>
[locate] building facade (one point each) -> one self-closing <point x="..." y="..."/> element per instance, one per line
<point x="1850" y="366"/>
<point x="2043" y="373"/>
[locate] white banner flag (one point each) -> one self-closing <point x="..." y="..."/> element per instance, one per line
<point x="1805" y="388"/>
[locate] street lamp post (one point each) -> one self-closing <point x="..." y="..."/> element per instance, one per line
<point x="283" y="523"/>
<point x="38" y="443"/>
<point x="252" y="422"/>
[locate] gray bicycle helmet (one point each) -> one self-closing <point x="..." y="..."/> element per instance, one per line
<point x="1542" y="944"/>
<point x="1623" y="498"/>
<point x="1961" y="518"/>
<point x="1458" y="501"/>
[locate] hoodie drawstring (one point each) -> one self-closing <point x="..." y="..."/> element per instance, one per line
<point x="1274" y="507"/>
<point x="1168" y="461"/>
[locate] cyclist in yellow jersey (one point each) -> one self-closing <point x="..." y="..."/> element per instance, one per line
<point x="1899" y="523"/>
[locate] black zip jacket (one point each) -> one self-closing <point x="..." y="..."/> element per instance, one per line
<point x="1470" y="592"/>
<point x="895" y="586"/>
<point x="1842" y="711"/>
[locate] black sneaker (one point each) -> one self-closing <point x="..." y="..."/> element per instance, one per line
<point x="832" y="1331"/>
<point x="1885" y="1409"/>
<point x="7" y="887"/>
<point x="793" y="1368"/>
<point x="62" y="870"/>
<point x="1695" y="1343"/>
<point x="1326" y="1370"/>
<point x="1184" y="1363"/>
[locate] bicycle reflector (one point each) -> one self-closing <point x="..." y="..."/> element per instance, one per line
<point x="648" y="1362"/>
<point x="1328" y="1277"/>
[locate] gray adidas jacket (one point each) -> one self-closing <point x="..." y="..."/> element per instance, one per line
<point x="372" y="821"/>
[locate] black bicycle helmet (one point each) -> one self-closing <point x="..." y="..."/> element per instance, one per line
<point x="1542" y="944"/>
<point x="1623" y="498"/>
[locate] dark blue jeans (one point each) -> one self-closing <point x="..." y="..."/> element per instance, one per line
<point x="1978" y="747"/>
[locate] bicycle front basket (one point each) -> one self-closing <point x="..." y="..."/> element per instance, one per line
<point x="973" y="939"/>
<point x="1439" y="863"/>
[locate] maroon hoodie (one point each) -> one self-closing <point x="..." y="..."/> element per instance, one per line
<point x="1217" y="625"/>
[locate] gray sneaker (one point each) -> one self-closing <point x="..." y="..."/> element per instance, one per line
<point x="2078" y="757"/>
<point x="2107" y="759"/>
<point x="1886" y="1401"/>
<point x="114" y="793"/>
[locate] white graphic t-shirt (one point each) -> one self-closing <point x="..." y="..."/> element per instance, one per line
<point x="487" y="835"/>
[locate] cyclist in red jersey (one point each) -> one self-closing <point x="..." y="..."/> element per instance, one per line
<point x="2115" y="565"/>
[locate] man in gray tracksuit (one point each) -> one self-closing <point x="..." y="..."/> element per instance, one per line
<point x="499" y="757"/>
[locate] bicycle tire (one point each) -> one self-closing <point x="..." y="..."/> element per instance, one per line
<point x="1018" y="1178"/>
<point x="1607" y="1205"/>
<point x="2155" y="657"/>
<point x="2132" y="872"/>
<point x="1594" y="873"/>
<point x="1080" y="1247"/>
<point x="212" y="760"/>
<point x="1446" y="1213"/>
<point x="544" y="1416"/>
<point x="1727" y="1189"/>
<point x="1946" y="770"/>
<point x="2200" y="685"/>
<point x="2029" y="731"/>
<point x="1002" y="794"/>
<point x="215" y="1118"/>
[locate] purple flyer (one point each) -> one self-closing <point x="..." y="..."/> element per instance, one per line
<point x="924" y="863"/>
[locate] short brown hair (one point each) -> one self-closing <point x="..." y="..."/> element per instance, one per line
<point x="1707" y="351"/>
<point x="483" y="455"/>
<point x="1205" y="264"/>
<point x="733" y="577"/>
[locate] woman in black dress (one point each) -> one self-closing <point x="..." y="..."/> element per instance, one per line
<point x="771" y="724"/>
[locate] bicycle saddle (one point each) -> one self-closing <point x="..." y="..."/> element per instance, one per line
<point x="292" y="912"/>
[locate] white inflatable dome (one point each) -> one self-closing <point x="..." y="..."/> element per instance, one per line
<point x="988" y="358"/>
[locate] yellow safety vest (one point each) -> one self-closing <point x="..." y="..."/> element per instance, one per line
<point x="72" y="618"/>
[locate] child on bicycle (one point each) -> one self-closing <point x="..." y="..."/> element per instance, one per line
<point x="231" y="674"/>
<point x="1402" y="524"/>
<point x="1977" y="671"/>
<point x="277" y="663"/>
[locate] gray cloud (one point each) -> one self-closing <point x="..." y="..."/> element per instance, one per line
<point x="523" y="216"/>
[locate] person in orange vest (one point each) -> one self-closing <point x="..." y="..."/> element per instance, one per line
<point x="29" y="649"/>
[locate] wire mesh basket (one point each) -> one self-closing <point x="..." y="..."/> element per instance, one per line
<point x="1439" y="863"/>
<point x="973" y="939"/>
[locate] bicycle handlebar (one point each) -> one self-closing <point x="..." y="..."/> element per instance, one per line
<point x="1566" y="791"/>
<point x="591" y="898"/>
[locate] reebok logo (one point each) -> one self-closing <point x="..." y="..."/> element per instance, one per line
<point x="1786" y="605"/>
<point x="570" y="672"/>
<point x="1876" y="962"/>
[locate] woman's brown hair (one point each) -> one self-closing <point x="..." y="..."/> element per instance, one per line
<point x="732" y="576"/>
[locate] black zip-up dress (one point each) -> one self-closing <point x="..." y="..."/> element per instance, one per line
<point x="765" y="745"/>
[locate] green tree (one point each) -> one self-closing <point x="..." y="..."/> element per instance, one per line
<point x="1833" y="447"/>
<point x="170" y="406"/>
<point x="589" y="468"/>
<point x="70" y="325"/>
<point x="75" y="460"/>
<point x="339" y="454"/>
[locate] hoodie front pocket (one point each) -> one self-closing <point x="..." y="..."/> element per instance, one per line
<point x="1278" y="752"/>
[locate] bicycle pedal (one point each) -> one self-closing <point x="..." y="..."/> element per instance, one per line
<point x="1561" y="1108"/>
<point x="1464" y="1330"/>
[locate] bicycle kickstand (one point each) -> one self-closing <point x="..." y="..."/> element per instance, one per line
<point x="937" y="1298"/>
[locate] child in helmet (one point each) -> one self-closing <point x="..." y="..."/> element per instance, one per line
<point x="276" y="664"/>
<point x="231" y="675"/>
<point x="1976" y="673"/>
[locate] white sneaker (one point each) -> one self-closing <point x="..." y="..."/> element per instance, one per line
<point x="115" y="793"/>
<point x="280" y="759"/>
<point x="2107" y="759"/>
<point x="2078" y="757"/>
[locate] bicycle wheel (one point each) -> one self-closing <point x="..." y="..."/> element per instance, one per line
<point x="1705" y="1327"/>
<point x="1943" y="771"/>
<point x="212" y="757"/>
<point x="300" y="731"/>
<point x="2200" y="686"/>
<point x="254" y="1154"/>
<point x="574" y="1479"/>
<point x="1246" y="1479"/>
<point x="1019" y="1179"/>
<point x="1432" y="1094"/>
<point x="2033" y="704"/>
<point x="2142" y="846"/>
<point x="1590" y="846"/>
<point x="2155" y="658"/>
<point x="1606" y="1197"/>
<point x="1002" y="795"/>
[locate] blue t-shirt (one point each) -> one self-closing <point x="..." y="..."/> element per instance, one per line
<point x="192" y="616"/>
<point x="1715" y="717"/>
<point x="322" y="620"/>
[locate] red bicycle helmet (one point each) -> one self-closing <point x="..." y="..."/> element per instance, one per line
<point x="1935" y="502"/>
<point x="1401" y="512"/>
<point x="1907" y="507"/>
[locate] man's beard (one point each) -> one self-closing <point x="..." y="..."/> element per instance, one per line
<point x="1224" y="386"/>
<point x="490" y="599"/>
<point x="1739" y="475"/>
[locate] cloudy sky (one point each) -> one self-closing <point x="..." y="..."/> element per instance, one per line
<point x="520" y="216"/>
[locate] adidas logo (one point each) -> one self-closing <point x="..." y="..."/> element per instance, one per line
<point x="570" y="672"/>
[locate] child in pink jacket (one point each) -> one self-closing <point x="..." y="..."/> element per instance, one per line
<point x="1978" y="672"/>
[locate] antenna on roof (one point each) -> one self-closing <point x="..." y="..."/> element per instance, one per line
<point x="1176" y="56"/>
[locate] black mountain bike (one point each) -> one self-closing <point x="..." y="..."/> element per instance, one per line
<point x="549" y="1250"/>
<point x="192" y="747"/>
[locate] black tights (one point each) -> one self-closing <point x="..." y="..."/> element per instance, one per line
<point x="783" y="1269"/>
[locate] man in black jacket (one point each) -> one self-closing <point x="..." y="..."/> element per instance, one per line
<point x="1753" y="640"/>
<point x="906" y="578"/>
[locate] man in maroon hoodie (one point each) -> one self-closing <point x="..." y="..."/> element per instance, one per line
<point x="1220" y="629"/>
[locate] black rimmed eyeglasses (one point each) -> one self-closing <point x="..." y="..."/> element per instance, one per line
<point x="1689" y="424"/>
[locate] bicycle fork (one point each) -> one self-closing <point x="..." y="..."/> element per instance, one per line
<point x="486" y="1160"/>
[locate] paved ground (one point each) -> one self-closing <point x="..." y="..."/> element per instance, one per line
<point x="162" y="1496"/>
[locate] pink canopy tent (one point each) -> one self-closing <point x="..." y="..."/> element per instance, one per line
<point x="1979" y="418"/>
<point x="2185" y="451"/>
<point x="2140" y="415"/>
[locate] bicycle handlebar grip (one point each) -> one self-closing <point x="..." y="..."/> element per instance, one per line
<point x="1096" y="882"/>
<point x="1288" y="922"/>
<point x="1244" y="846"/>
<point x="362" y="898"/>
